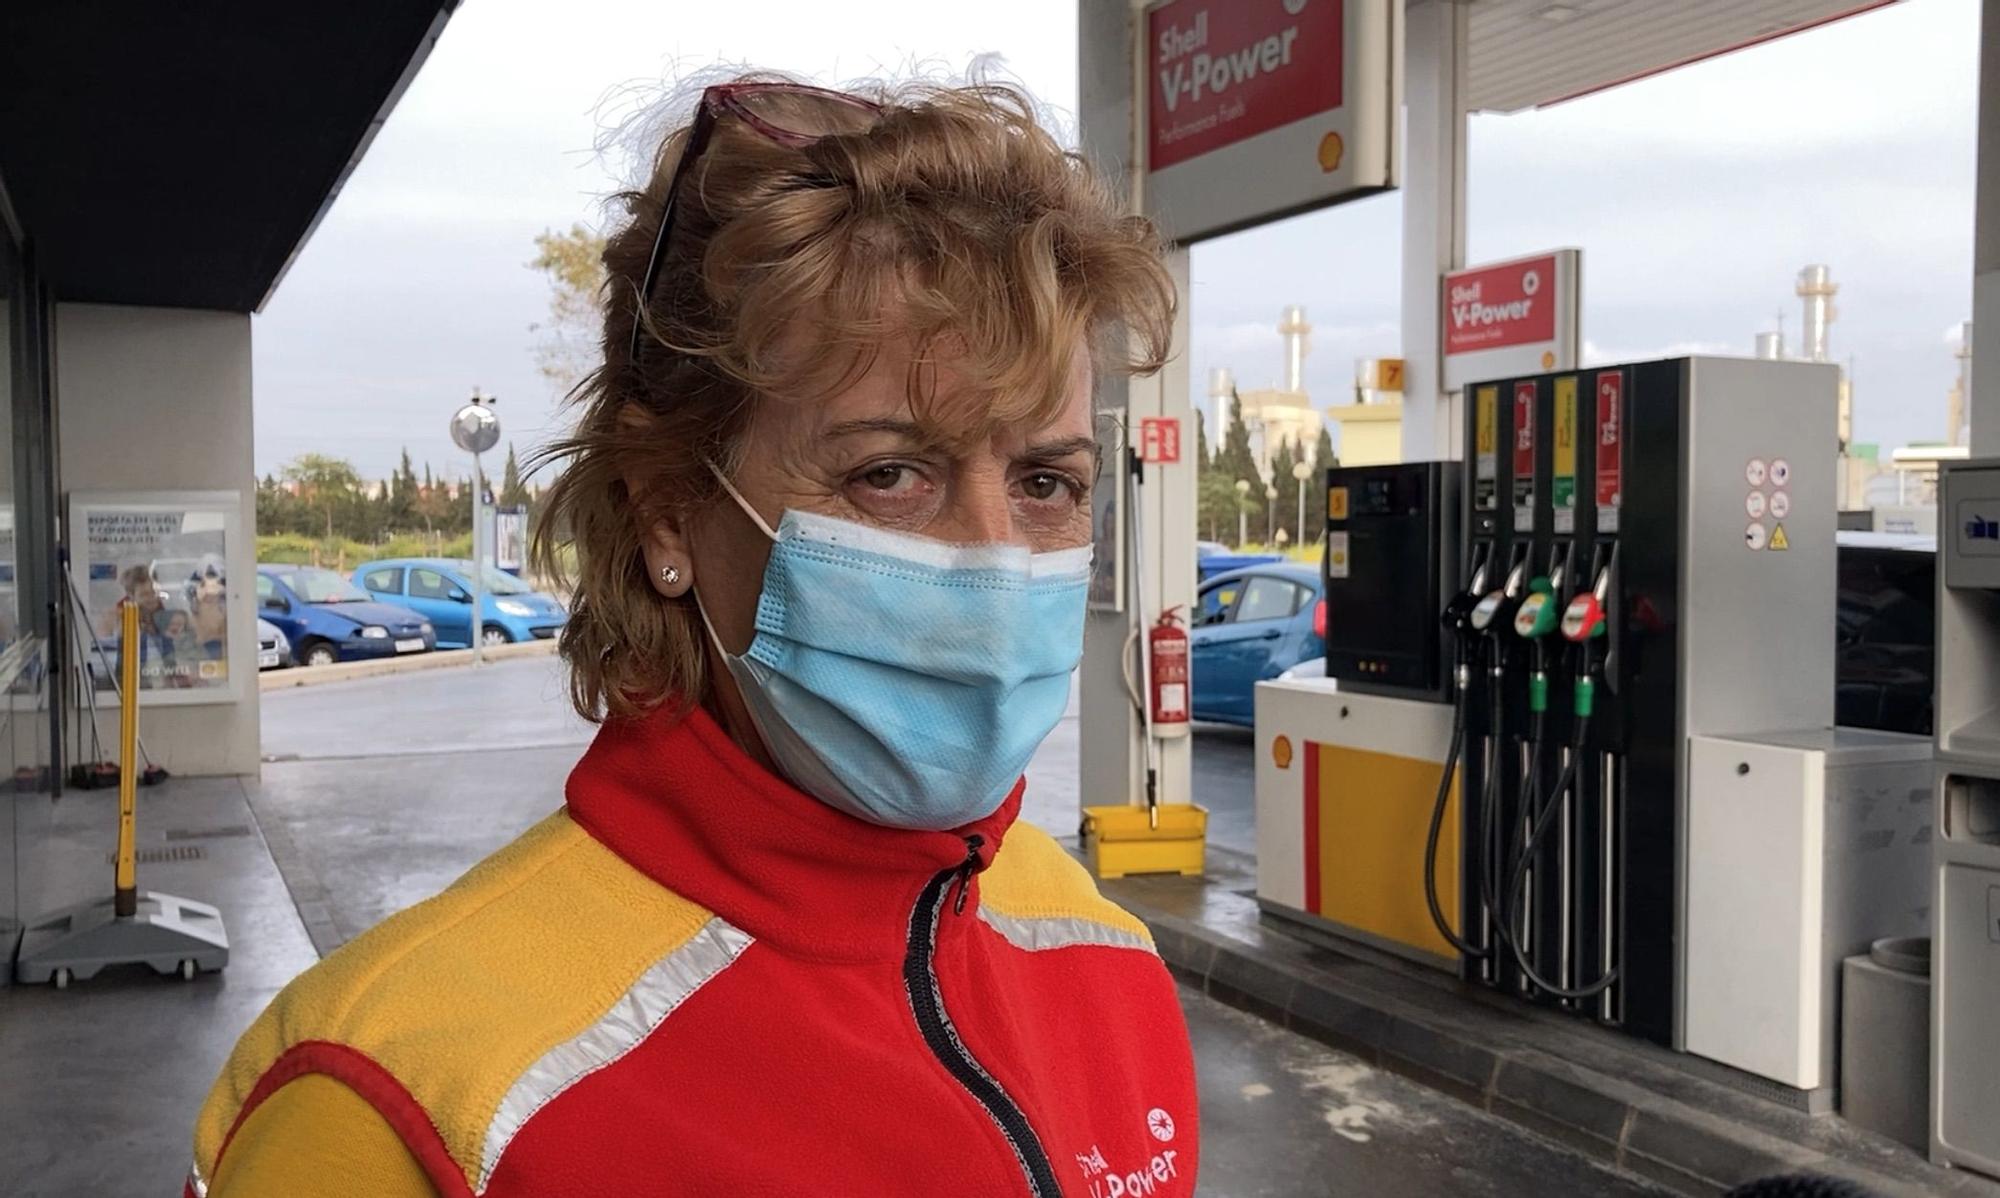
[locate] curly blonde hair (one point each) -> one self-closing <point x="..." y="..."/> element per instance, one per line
<point x="952" y="219"/>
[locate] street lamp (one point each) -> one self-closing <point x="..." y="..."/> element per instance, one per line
<point x="1302" y="471"/>
<point x="1270" y="511"/>
<point x="1242" y="513"/>
<point x="475" y="428"/>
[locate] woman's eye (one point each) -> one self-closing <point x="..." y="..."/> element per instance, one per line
<point x="889" y="478"/>
<point x="1051" y="486"/>
<point x="1044" y="486"/>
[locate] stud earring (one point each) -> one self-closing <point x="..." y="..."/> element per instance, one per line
<point x="670" y="575"/>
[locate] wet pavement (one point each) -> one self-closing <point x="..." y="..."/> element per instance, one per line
<point x="379" y="792"/>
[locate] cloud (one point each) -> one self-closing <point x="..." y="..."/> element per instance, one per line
<point x="1598" y="355"/>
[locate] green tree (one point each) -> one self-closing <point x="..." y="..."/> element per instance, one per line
<point x="1235" y="460"/>
<point x="1201" y="462"/>
<point x="402" y="498"/>
<point x="1215" y="506"/>
<point x="1323" y="460"/>
<point x="325" y="484"/>
<point x="512" y="493"/>
<point x="567" y="347"/>
<point x="1287" y="501"/>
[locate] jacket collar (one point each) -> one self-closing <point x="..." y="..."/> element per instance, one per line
<point x="679" y="801"/>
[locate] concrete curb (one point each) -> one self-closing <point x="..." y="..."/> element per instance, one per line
<point x="1620" y="1101"/>
<point x="439" y="659"/>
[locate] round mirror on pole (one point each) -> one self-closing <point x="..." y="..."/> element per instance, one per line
<point x="475" y="428"/>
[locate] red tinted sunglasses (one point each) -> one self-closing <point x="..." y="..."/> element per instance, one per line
<point x="790" y="114"/>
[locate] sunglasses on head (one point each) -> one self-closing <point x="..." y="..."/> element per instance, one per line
<point x="790" y="114"/>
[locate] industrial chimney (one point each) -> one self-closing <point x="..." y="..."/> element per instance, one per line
<point x="1961" y="390"/>
<point x="1771" y="346"/>
<point x="1816" y="288"/>
<point x="1221" y="394"/>
<point x="1293" y="328"/>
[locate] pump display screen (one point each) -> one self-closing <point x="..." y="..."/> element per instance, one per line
<point x="1382" y="627"/>
<point x="1885" y="663"/>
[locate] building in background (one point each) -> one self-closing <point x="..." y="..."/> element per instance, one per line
<point x="1275" y="415"/>
<point x="161" y="166"/>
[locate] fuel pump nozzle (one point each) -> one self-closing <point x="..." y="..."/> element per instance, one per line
<point x="1496" y="607"/>
<point x="1583" y="624"/>
<point x="1461" y="617"/>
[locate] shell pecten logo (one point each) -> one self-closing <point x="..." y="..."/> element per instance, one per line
<point x="1331" y="149"/>
<point x="1281" y="752"/>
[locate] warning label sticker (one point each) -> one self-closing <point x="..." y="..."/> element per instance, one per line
<point x="1779" y="541"/>
<point x="1336" y="555"/>
<point x="1756" y="536"/>
<point x="1486" y="429"/>
<point x="1524" y="444"/>
<point x="1563" y="485"/>
<point x="1610" y="443"/>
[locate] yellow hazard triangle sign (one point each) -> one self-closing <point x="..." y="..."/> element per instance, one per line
<point x="1779" y="541"/>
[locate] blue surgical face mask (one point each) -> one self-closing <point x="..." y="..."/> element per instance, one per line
<point x="903" y="680"/>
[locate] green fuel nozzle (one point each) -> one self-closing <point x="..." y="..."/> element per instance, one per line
<point x="1537" y="615"/>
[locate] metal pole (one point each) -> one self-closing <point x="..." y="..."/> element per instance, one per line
<point x="125" y="899"/>
<point x="1242" y="525"/>
<point x="478" y="583"/>
<point x="1149" y="756"/>
<point x="1300" y="536"/>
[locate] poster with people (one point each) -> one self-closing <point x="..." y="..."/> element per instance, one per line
<point x="168" y="555"/>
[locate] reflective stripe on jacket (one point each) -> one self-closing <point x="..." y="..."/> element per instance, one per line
<point x="696" y="980"/>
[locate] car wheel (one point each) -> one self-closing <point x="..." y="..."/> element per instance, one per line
<point x="320" y="653"/>
<point x="490" y="636"/>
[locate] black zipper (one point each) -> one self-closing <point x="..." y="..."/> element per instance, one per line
<point x="927" y="1004"/>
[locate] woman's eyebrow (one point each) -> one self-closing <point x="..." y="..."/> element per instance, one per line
<point x="1051" y="450"/>
<point x="879" y="424"/>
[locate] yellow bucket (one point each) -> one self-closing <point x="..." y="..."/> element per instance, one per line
<point x="1121" y="840"/>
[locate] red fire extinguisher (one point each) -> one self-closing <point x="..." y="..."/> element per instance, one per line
<point x="1167" y="649"/>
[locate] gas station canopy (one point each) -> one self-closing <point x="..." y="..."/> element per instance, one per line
<point x="1526" y="53"/>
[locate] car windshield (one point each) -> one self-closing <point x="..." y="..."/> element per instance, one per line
<point x="324" y="586"/>
<point x="496" y="581"/>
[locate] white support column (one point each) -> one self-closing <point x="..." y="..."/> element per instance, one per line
<point x="1433" y="218"/>
<point x="1111" y="762"/>
<point x="1982" y="405"/>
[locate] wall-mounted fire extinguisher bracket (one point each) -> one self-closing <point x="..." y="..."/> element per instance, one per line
<point x="1167" y="651"/>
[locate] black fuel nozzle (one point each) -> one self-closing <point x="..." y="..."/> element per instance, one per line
<point x="1494" y="613"/>
<point x="1457" y="615"/>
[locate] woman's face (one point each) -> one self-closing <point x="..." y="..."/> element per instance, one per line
<point x="863" y="456"/>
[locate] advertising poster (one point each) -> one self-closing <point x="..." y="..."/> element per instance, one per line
<point x="1512" y="318"/>
<point x="168" y="554"/>
<point x="1257" y="109"/>
<point x="510" y="539"/>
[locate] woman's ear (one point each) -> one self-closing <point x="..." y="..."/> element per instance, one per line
<point x="663" y="540"/>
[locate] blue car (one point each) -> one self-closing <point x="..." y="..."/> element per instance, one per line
<point x="1250" y="625"/>
<point x="441" y="590"/>
<point x="328" y="619"/>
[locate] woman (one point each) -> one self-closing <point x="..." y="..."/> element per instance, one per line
<point x="828" y="495"/>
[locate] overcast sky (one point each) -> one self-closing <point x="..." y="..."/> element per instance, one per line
<point x="1696" y="196"/>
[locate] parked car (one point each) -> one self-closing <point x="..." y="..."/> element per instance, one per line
<point x="441" y="589"/>
<point x="328" y="619"/>
<point x="1212" y="560"/>
<point x="1249" y="626"/>
<point x="274" y="649"/>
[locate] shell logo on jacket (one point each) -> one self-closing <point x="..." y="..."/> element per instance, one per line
<point x="695" y="980"/>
